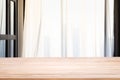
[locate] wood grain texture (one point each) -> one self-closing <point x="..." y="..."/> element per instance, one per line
<point x="60" y="69"/>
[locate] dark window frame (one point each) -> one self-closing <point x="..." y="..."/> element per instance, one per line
<point x="7" y="36"/>
<point x="8" y="29"/>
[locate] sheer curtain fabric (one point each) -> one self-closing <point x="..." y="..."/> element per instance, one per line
<point x="68" y="28"/>
<point x="2" y="26"/>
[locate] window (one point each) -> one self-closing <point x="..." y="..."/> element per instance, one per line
<point x="9" y="28"/>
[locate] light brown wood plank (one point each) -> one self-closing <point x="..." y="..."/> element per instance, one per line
<point x="60" y="69"/>
<point x="59" y="79"/>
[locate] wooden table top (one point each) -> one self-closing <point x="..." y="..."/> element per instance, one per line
<point x="60" y="69"/>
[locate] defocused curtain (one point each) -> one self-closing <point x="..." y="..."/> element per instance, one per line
<point x="2" y="26"/>
<point x="20" y="25"/>
<point x="68" y="28"/>
<point x="109" y="28"/>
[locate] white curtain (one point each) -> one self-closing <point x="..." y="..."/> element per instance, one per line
<point x="67" y="28"/>
<point x="110" y="28"/>
<point x="2" y="26"/>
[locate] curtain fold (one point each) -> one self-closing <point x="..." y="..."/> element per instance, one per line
<point x="68" y="28"/>
<point x="109" y="28"/>
<point x="31" y="27"/>
<point x="2" y="26"/>
<point x="21" y="14"/>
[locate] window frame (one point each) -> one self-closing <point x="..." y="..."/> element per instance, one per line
<point x="8" y="37"/>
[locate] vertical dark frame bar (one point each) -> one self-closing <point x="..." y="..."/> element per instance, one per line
<point x="8" y="50"/>
<point x="8" y="28"/>
<point x="24" y="9"/>
<point x="16" y="28"/>
<point x="105" y="28"/>
<point x="117" y="28"/>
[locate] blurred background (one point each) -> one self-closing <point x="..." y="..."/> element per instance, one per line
<point x="59" y="28"/>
